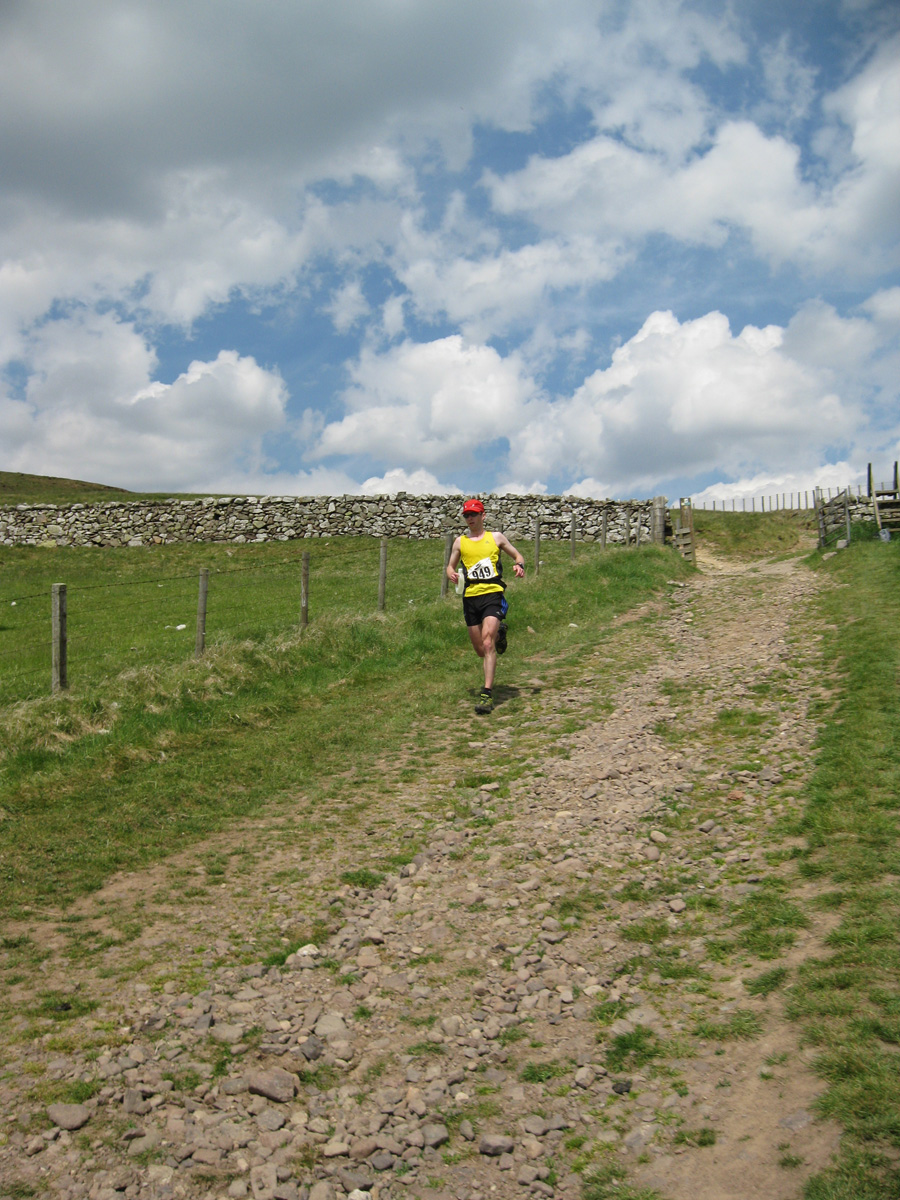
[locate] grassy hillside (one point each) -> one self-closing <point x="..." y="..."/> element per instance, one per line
<point x="749" y="536"/>
<point x="17" y="488"/>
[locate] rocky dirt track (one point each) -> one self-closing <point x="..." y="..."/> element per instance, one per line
<point x="540" y="993"/>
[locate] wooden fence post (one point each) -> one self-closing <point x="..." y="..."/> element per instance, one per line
<point x="448" y="549"/>
<point x="847" y="513"/>
<point x="59" y="677"/>
<point x="572" y="532"/>
<point x="304" y="590"/>
<point x="537" y="546"/>
<point x="658" y="521"/>
<point x="200" y="639"/>
<point x="604" y="527"/>
<point x="382" y="575"/>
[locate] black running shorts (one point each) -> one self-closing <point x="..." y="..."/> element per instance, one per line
<point x="476" y="608"/>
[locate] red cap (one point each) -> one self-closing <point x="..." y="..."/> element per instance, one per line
<point x="473" y="506"/>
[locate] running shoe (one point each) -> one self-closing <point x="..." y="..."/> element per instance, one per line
<point x="501" y="638"/>
<point x="485" y="703"/>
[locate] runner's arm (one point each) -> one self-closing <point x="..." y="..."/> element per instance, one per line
<point x="453" y="562"/>
<point x="503" y="543"/>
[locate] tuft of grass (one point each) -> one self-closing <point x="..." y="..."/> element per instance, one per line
<point x="695" y="1137"/>
<point x="739" y="1025"/>
<point x="768" y="981"/>
<point x="363" y="878"/>
<point x="609" y="1182"/>
<point x="542" y="1072"/>
<point x="630" y="1051"/>
<point x="61" y="1006"/>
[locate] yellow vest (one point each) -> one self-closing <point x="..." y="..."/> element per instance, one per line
<point x="481" y="559"/>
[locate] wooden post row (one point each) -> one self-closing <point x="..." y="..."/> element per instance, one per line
<point x="304" y="590"/>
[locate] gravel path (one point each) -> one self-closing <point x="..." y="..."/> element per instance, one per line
<point x="541" y="991"/>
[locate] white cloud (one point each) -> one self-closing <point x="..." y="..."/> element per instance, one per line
<point x="416" y="483"/>
<point x="679" y="399"/>
<point x="91" y="410"/>
<point x="739" y="493"/>
<point x="488" y="294"/>
<point x="428" y="404"/>
<point x="347" y="306"/>
<point x="608" y="191"/>
<point x="589" y="489"/>
<point x="884" y="306"/>
<point x="321" y="481"/>
<point x="161" y="163"/>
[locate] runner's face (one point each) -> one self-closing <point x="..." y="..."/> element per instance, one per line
<point x="474" y="520"/>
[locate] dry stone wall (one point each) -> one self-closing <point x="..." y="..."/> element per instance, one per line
<point x="283" y="518"/>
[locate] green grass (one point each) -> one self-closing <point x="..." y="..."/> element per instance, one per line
<point x="695" y="1137"/>
<point x="766" y="982"/>
<point x="631" y="1051"/>
<point x="115" y="775"/>
<point x="16" y="488"/>
<point x="609" y="1182"/>
<point x="753" y="536"/>
<point x="741" y="1024"/>
<point x="847" y="999"/>
<point x="542" y="1072"/>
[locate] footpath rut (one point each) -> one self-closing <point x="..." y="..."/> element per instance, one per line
<point x="541" y="992"/>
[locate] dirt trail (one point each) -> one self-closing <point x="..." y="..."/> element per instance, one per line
<point x="541" y="991"/>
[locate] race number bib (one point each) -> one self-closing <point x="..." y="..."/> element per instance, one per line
<point x="482" y="571"/>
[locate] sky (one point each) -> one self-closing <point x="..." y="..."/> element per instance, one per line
<point x="591" y="247"/>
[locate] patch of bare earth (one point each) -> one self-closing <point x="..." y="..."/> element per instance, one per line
<point x="446" y="1035"/>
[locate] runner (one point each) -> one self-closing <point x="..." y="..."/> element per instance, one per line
<point x="484" y="605"/>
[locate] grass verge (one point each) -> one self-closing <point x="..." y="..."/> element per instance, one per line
<point x="849" y="1000"/>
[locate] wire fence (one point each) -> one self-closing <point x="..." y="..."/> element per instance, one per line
<point x="110" y="626"/>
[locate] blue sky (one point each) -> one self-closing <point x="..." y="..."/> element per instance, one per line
<point x="615" y="249"/>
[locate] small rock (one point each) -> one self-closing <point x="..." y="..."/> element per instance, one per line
<point x="69" y="1116"/>
<point x="322" y="1189"/>
<point x="536" y="1126"/>
<point x="435" y="1135"/>
<point x="278" y="1085"/>
<point x="494" y="1144"/>
<point x="312" y="1048"/>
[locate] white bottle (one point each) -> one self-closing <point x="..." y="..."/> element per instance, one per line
<point x="460" y="579"/>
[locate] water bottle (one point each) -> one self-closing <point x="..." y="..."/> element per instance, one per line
<point x="460" y="579"/>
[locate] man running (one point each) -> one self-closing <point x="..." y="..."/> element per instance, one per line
<point x="484" y="605"/>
